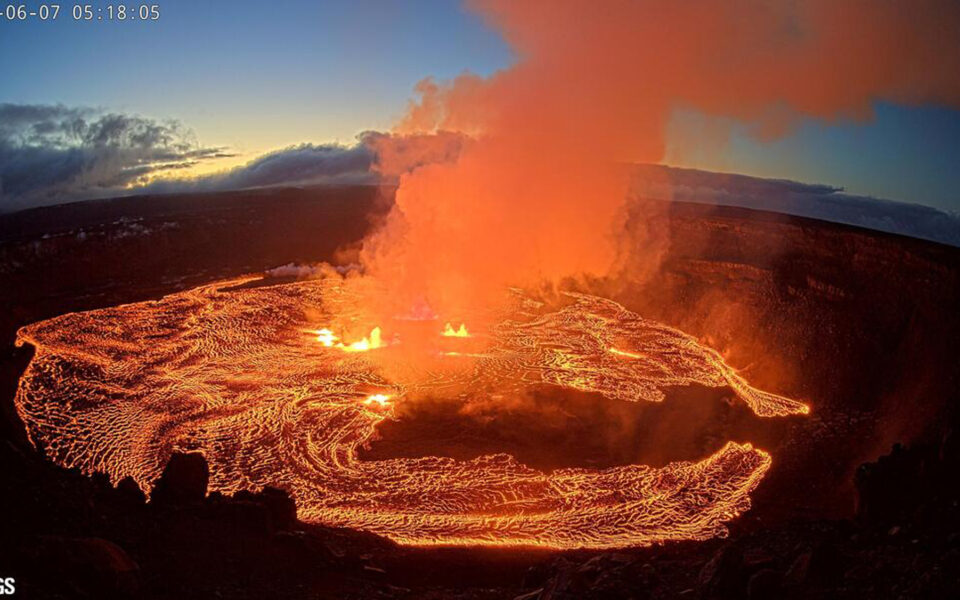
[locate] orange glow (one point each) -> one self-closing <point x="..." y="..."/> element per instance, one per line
<point x="624" y="353"/>
<point x="268" y="407"/>
<point x="325" y="337"/>
<point x="536" y="190"/>
<point x="467" y="354"/>
<point x="377" y="399"/>
<point x="449" y="331"/>
<point x="328" y="339"/>
<point x="371" y="342"/>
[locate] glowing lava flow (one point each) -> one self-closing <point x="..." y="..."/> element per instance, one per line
<point x="229" y="372"/>
<point x="328" y="339"/>
<point x="449" y="331"/>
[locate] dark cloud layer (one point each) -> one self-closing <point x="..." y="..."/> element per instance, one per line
<point x="304" y="164"/>
<point x="55" y="153"/>
<point x="376" y="157"/>
<point x="51" y="154"/>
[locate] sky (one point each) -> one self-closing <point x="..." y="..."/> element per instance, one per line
<point x="251" y="77"/>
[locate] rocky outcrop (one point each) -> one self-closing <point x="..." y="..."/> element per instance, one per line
<point x="183" y="481"/>
<point x="80" y="537"/>
<point x="914" y="485"/>
<point x="90" y="567"/>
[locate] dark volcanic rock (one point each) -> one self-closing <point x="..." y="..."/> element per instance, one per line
<point x="130" y="492"/>
<point x="765" y="584"/>
<point x="723" y="576"/>
<point x="249" y="516"/>
<point x="799" y="570"/>
<point x="910" y="485"/>
<point x="87" y="567"/>
<point x="605" y="576"/>
<point x="278" y="504"/>
<point x="183" y="481"/>
<point x="534" y="595"/>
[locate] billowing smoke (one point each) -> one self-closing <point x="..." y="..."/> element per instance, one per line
<point x="54" y="153"/>
<point x="535" y="193"/>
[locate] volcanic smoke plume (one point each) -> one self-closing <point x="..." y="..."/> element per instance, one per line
<point x="535" y="194"/>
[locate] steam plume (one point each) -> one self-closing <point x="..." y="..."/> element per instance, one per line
<point x="535" y="194"/>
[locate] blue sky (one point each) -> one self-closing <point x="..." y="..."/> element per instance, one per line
<point x="254" y="75"/>
<point x="259" y="76"/>
<point x="902" y="153"/>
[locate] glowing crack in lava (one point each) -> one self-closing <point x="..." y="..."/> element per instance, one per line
<point x="230" y="372"/>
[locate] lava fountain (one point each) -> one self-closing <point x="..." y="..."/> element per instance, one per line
<point x="228" y="370"/>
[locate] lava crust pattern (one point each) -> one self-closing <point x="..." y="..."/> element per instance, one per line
<point x="228" y="371"/>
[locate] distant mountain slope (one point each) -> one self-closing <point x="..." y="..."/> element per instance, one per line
<point x="800" y="199"/>
<point x="656" y="182"/>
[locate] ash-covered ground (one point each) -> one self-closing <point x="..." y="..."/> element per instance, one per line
<point x="860" y="325"/>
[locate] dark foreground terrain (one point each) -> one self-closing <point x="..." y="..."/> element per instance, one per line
<point x="863" y="326"/>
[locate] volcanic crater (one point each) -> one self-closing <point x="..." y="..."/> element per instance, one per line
<point x="805" y="311"/>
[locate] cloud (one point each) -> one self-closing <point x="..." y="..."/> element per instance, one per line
<point x="56" y="153"/>
<point x="302" y="164"/>
<point x="816" y="201"/>
<point x="53" y="154"/>
<point x="376" y="158"/>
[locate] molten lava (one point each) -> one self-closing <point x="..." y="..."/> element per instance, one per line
<point x="325" y="337"/>
<point x="449" y="331"/>
<point x="368" y="343"/>
<point x="377" y="400"/>
<point x="330" y="340"/>
<point x="228" y="372"/>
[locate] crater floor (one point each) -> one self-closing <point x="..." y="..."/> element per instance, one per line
<point x="228" y="370"/>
